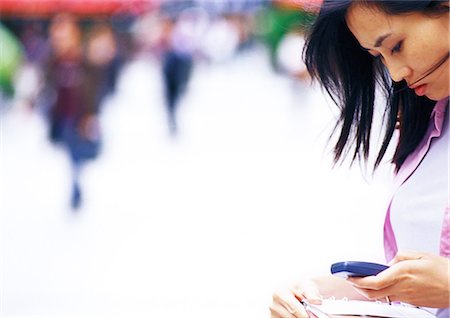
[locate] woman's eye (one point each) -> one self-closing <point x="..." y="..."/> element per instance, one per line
<point x="397" y="47"/>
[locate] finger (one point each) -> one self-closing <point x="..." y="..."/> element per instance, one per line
<point x="300" y="313"/>
<point x="273" y="312"/>
<point x="309" y="291"/>
<point x="378" y="294"/>
<point x="290" y="304"/>
<point x="383" y="280"/>
<point x="279" y="311"/>
<point x="369" y="282"/>
<point x="405" y="255"/>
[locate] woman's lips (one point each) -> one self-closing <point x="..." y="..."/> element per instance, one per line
<point x="420" y="90"/>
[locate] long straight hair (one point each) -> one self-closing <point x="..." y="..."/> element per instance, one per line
<point x="351" y="76"/>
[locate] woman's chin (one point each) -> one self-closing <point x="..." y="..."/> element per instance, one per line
<point x="437" y="96"/>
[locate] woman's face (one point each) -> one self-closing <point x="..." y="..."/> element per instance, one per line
<point x="410" y="46"/>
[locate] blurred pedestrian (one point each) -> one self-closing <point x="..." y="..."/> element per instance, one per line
<point x="80" y="81"/>
<point x="177" y="63"/>
<point x="30" y="80"/>
<point x="102" y="64"/>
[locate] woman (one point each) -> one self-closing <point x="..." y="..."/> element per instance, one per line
<point x="403" y="48"/>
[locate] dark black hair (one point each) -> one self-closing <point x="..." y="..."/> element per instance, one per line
<point x="351" y="76"/>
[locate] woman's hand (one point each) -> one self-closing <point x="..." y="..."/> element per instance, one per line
<point x="416" y="278"/>
<point x="286" y="303"/>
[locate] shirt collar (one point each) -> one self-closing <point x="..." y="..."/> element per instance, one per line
<point x="438" y="114"/>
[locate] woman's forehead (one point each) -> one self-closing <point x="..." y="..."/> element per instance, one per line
<point x="368" y="23"/>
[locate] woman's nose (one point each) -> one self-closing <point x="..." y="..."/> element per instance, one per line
<point x="399" y="72"/>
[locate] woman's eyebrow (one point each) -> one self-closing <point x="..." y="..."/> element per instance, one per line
<point x="380" y="39"/>
<point x="378" y="42"/>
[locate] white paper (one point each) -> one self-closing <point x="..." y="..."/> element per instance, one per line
<point x="370" y="308"/>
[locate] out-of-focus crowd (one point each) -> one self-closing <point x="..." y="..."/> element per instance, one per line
<point x="64" y="64"/>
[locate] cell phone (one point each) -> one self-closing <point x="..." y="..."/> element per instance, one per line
<point x="356" y="269"/>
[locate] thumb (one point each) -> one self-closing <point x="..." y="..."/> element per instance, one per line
<point x="308" y="290"/>
<point x="404" y="256"/>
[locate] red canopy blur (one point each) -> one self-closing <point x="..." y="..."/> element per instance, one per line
<point x="307" y="5"/>
<point x="79" y="7"/>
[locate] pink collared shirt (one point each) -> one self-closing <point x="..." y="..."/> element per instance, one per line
<point x="421" y="218"/>
<point x="410" y="165"/>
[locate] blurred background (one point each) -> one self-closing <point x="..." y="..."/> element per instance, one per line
<point x="169" y="159"/>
